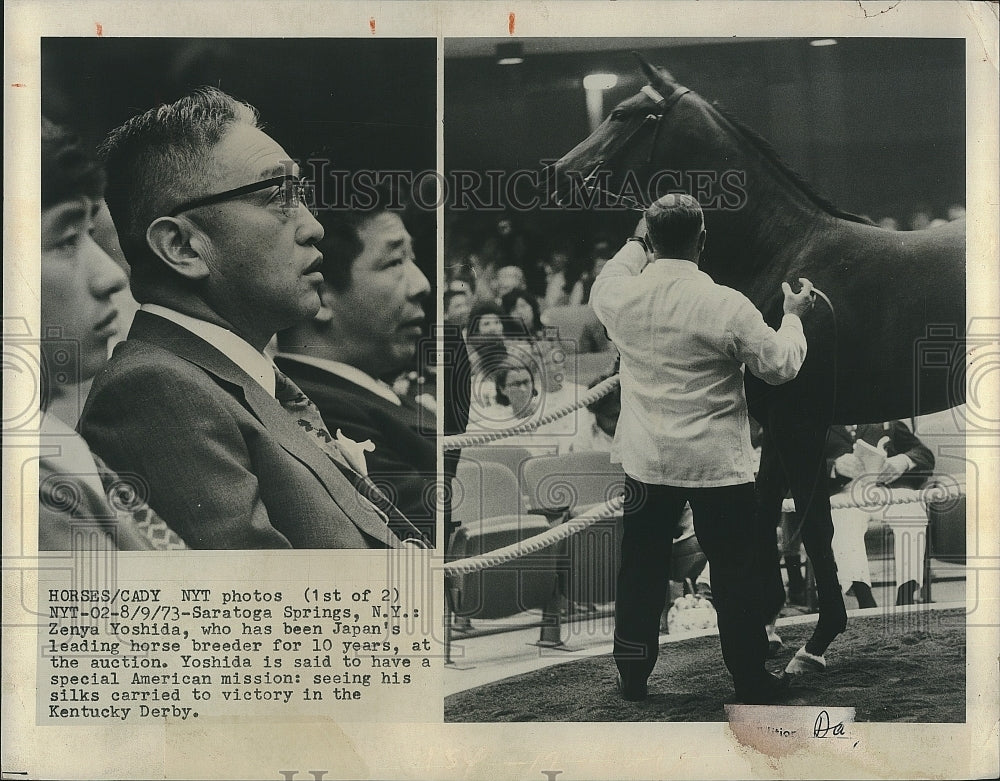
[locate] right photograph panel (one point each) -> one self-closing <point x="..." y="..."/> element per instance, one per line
<point x="705" y="322"/>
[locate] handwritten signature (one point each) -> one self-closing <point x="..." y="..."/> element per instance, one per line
<point x="823" y="729"/>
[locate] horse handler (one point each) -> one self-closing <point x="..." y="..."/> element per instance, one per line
<point x="684" y="435"/>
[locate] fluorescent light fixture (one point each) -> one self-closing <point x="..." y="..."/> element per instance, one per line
<point x="823" y="42"/>
<point x="510" y="53"/>
<point x="599" y="81"/>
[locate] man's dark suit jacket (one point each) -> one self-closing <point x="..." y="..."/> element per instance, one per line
<point x="404" y="462"/>
<point x="225" y="465"/>
<point x="901" y="440"/>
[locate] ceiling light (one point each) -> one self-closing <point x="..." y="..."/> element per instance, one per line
<point x="510" y="53"/>
<point x="600" y="81"/>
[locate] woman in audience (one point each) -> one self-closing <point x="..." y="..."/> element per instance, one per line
<point x="485" y="342"/>
<point x="522" y="316"/>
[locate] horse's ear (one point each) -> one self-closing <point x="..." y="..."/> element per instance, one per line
<point x="651" y="74"/>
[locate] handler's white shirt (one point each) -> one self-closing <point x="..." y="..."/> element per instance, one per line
<point x="684" y="341"/>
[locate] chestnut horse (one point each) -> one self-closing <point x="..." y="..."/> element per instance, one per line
<point x="889" y="341"/>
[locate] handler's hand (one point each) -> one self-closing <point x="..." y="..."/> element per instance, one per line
<point x="798" y="303"/>
<point x="641" y="231"/>
<point x="849" y="465"/>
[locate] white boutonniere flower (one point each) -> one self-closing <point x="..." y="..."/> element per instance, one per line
<point x="354" y="452"/>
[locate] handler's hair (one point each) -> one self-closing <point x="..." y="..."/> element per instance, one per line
<point x="674" y="222"/>
<point x="68" y="169"/>
<point x="157" y="160"/>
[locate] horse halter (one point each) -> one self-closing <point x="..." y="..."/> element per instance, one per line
<point x="664" y="105"/>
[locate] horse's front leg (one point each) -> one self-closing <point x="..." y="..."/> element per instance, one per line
<point x="800" y="444"/>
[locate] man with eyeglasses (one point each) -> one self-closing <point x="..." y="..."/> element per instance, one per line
<point x="222" y="248"/>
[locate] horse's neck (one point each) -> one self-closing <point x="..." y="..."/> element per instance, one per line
<point x="752" y="246"/>
<point x="760" y="241"/>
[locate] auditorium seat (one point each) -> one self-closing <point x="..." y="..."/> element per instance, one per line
<point x="526" y="583"/>
<point x="576" y="482"/>
<point x="571" y="481"/>
<point x="509" y="456"/>
<point x="482" y="489"/>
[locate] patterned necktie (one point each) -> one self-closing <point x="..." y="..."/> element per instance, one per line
<point x="131" y="511"/>
<point x="307" y="416"/>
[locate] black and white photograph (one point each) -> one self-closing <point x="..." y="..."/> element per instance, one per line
<point x="234" y="213"/>
<point x="500" y="390"/>
<point x="713" y="295"/>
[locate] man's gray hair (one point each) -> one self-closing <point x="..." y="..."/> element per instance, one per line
<point x="674" y="222"/>
<point x="157" y="159"/>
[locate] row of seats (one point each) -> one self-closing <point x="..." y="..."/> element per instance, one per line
<point x="503" y="495"/>
<point x="490" y="481"/>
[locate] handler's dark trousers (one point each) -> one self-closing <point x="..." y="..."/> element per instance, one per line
<point x="725" y="523"/>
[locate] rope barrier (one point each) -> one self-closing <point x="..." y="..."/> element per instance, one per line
<point x="518" y="549"/>
<point x="935" y="493"/>
<point x="456" y="441"/>
<point x="882" y="495"/>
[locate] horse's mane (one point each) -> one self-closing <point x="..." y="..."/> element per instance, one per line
<point x="764" y="147"/>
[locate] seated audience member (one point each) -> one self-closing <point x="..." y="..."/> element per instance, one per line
<point x="556" y="287"/>
<point x="364" y="335"/>
<point x="522" y="315"/>
<point x="600" y="253"/>
<point x="215" y="224"/>
<point x="516" y="402"/>
<point x="902" y="462"/>
<point x="596" y="428"/>
<point x="507" y="280"/>
<point x="82" y="505"/>
<point x="457" y="308"/>
<point x="487" y="350"/>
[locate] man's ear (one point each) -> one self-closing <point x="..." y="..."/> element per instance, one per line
<point x="180" y="245"/>
<point x="326" y="304"/>
<point x="701" y="240"/>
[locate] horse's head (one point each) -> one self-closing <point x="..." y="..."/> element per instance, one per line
<point x="641" y="133"/>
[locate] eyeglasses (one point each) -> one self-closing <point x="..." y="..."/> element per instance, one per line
<point x="292" y="193"/>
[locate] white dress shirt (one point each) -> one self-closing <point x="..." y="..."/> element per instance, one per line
<point x="350" y="373"/>
<point x="236" y="349"/>
<point x="684" y="341"/>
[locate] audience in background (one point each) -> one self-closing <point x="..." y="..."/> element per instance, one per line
<point x="596" y="427"/>
<point x="522" y="313"/>
<point x="457" y="308"/>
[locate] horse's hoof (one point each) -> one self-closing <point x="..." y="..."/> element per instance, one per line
<point x="805" y="662"/>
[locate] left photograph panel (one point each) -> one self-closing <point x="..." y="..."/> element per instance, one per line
<point x="238" y="253"/>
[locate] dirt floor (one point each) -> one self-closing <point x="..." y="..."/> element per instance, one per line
<point x="898" y="667"/>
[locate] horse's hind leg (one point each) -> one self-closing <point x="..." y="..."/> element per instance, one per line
<point x="771" y="488"/>
<point x="800" y="446"/>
